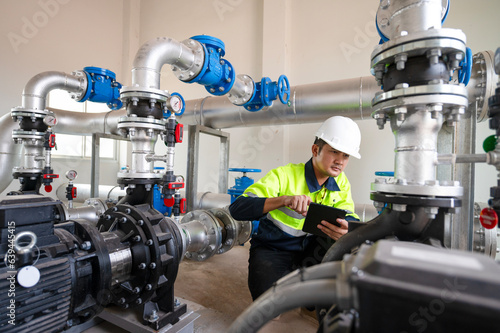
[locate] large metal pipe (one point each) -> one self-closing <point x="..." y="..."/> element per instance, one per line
<point x="38" y="87"/>
<point x="157" y="52"/>
<point x="10" y="153"/>
<point x="310" y="103"/>
<point x="70" y="122"/>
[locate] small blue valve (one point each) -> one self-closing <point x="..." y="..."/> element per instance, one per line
<point x="217" y="74"/>
<point x="102" y="87"/>
<point x="266" y="91"/>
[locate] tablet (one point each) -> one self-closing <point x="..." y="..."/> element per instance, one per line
<point x="316" y="213"/>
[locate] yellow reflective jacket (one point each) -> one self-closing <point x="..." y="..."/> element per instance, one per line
<point x="299" y="179"/>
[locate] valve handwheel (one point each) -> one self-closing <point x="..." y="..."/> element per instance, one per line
<point x="283" y="89"/>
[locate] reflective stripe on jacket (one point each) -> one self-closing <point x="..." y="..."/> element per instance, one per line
<point x="299" y="179"/>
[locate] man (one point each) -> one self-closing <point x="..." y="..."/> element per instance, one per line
<point x="281" y="198"/>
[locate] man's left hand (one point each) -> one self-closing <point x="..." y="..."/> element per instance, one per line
<point x="332" y="230"/>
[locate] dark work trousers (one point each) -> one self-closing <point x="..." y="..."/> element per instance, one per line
<point x="267" y="265"/>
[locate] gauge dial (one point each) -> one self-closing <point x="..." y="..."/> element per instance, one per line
<point x="50" y="120"/>
<point x="176" y="103"/>
<point x="71" y="174"/>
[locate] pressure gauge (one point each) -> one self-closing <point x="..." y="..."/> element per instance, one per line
<point x="176" y="103"/>
<point x="50" y="120"/>
<point x="71" y="174"/>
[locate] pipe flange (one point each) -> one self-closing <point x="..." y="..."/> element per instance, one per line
<point x="22" y="172"/>
<point x="84" y="79"/>
<point x="128" y="177"/>
<point x="445" y="189"/>
<point x="198" y="63"/>
<point x="28" y="135"/>
<point x="482" y="83"/>
<point x="134" y="93"/>
<point x="232" y="229"/>
<point x="128" y="122"/>
<point x="214" y="234"/>
<point x="243" y="90"/>
<point x="98" y="204"/>
<point x="431" y="43"/>
<point x="483" y="240"/>
<point x="452" y="90"/>
<point x="20" y="111"/>
<point x="400" y="202"/>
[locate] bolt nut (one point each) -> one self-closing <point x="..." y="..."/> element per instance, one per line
<point x="152" y="265"/>
<point x="149" y="242"/>
<point x="136" y="238"/>
<point x="148" y="287"/>
<point x="399" y="207"/>
<point x="86" y="245"/>
<point x="142" y="265"/>
<point x="400" y="61"/>
<point x="137" y="290"/>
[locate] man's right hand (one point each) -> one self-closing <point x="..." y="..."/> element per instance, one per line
<point x="299" y="203"/>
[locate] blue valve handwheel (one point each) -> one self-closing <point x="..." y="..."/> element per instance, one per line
<point x="283" y="89"/>
<point x="466" y="64"/>
<point x="244" y="170"/>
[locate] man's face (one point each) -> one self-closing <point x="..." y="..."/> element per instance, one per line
<point x="329" y="161"/>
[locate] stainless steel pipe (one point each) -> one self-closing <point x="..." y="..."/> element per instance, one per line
<point x="310" y="103"/>
<point x="157" y="52"/>
<point x="38" y="87"/>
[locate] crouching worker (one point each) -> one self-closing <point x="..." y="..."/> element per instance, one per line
<point x="280" y="201"/>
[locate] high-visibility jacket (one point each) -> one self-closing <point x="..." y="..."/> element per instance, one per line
<point x="292" y="179"/>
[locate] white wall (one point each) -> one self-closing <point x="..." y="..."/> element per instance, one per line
<point x="60" y="35"/>
<point x="309" y="41"/>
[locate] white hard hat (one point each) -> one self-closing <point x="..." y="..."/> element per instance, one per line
<point x="341" y="133"/>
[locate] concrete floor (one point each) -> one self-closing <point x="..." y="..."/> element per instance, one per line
<point x="219" y="286"/>
<point x="216" y="289"/>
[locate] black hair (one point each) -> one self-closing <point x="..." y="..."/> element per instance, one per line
<point x="320" y="143"/>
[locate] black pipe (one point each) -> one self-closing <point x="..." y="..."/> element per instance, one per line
<point x="138" y="195"/>
<point x="408" y="225"/>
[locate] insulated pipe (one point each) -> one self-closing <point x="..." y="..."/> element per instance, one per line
<point x="10" y="153"/>
<point x="154" y="54"/>
<point x="70" y="122"/>
<point x="38" y="87"/>
<point x="310" y="103"/>
<point x="279" y="300"/>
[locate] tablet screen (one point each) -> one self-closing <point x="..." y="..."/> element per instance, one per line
<point x="316" y="213"/>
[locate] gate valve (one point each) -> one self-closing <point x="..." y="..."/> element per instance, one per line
<point x="266" y="91"/>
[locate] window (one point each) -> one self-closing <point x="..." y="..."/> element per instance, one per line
<point x="78" y="145"/>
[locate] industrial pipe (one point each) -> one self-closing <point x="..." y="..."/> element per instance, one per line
<point x="407" y="225"/>
<point x="70" y="122"/>
<point x="38" y="87"/>
<point x="10" y="153"/>
<point x="155" y="53"/>
<point x="309" y="103"/>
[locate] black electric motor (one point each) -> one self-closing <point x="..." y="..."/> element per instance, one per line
<point x="129" y="259"/>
